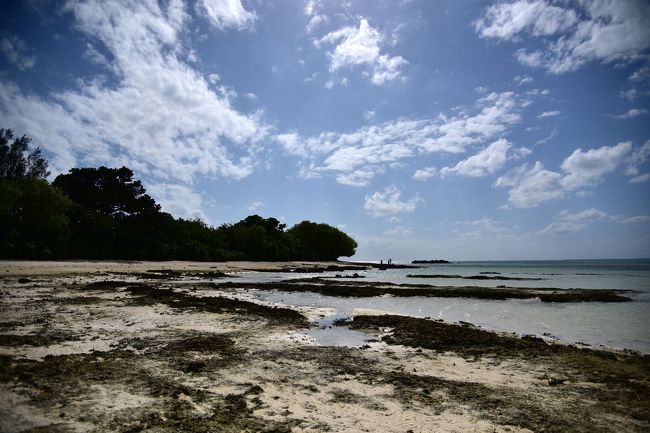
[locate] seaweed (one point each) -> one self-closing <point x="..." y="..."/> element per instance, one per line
<point x="148" y="295"/>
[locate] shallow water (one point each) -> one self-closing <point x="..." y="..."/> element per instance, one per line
<point x="616" y="325"/>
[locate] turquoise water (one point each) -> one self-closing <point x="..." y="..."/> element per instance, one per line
<point x="615" y="325"/>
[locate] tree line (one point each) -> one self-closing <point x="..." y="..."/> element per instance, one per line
<point x="105" y="213"/>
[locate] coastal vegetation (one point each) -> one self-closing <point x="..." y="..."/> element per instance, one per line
<point x="106" y="213"/>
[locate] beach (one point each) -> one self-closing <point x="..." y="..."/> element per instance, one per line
<point x="201" y="346"/>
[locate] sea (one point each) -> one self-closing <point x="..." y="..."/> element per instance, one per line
<point x="624" y="325"/>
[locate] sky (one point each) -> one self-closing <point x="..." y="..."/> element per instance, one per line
<point x="465" y="130"/>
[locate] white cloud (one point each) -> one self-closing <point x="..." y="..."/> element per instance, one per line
<point x="521" y="80"/>
<point x="485" y="162"/>
<point x="17" y="52"/>
<point x="634" y="112"/>
<point x="369" y="115"/>
<point x="226" y="13"/>
<point x="186" y="129"/>
<point x="530" y="186"/>
<point x="553" y="134"/>
<point x="641" y="178"/>
<point x="587" y="168"/>
<point x="591" y="214"/>
<point x="387" y="202"/>
<point x="360" y="47"/>
<point x="639" y="156"/>
<point x="636" y="219"/>
<point x="310" y="7"/>
<point x="641" y="74"/>
<point x="350" y="158"/>
<point x="398" y="231"/>
<point x="315" y="18"/>
<point x="487" y="228"/>
<point x="314" y="22"/>
<point x="549" y="114"/>
<point x="255" y="205"/>
<point x="629" y="94"/>
<point x="562" y="228"/>
<point x="537" y="17"/>
<point x="425" y="173"/>
<point x="92" y="54"/>
<point x="356" y="178"/>
<point x="373" y="148"/>
<point x="178" y="200"/>
<point x="574" y="33"/>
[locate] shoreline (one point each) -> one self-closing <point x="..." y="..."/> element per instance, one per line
<point x="34" y="267"/>
<point x="93" y="350"/>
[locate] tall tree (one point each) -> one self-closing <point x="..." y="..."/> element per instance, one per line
<point x="108" y="191"/>
<point x="33" y="219"/>
<point x="321" y="241"/>
<point x="14" y="164"/>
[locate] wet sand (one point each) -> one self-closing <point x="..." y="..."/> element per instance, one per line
<point x="97" y="346"/>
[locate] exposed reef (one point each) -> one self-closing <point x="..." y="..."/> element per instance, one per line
<point x="474" y="277"/>
<point x="341" y="288"/>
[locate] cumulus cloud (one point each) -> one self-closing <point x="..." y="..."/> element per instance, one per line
<point x="641" y="74"/>
<point x="316" y="18"/>
<point x="255" y="205"/>
<point x="591" y="214"/>
<point x="226" y="13"/>
<point x="523" y="79"/>
<point x="373" y="148"/>
<point x="356" y="178"/>
<point x="587" y="168"/>
<point x="562" y="228"/>
<point x="488" y="228"/>
<point x="574" y="33"/>
<point x="387" y="203"/>
<point x="425" y="173"/>
<point x="17" y="52"/>
<point x="634" y="112"/>
<point x="531" y="186"/>
<point x="639" y="156"/>
<point x="549" y="114"/>
<point x="361" y="47"/>
<point x="179" y="200"/>
<point x="398" y="231"/>
<point x="636" y="219"/>
<point x="505" y="20"/>
<point x="485" y="162"/>
<point x="640" y="178"/>
<point x="187" y="127"/>
<point x="629" y="94"/>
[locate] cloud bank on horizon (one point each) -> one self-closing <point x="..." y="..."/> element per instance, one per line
<point x="512" y="129"/>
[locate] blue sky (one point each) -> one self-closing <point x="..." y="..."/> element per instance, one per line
<point x="425" y="129"/>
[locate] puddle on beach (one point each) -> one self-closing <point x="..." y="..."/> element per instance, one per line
<point x="617" y="326"/>
<point x="328" y="334"/>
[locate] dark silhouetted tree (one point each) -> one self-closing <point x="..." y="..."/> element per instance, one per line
<point x="321" y="241"/>
<point x="107" y="191"/>
<point x="258" y="238"/>
<point x="33" y="219"/>
<point x="16" y="162"/>
<point x="104" y="213"/>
